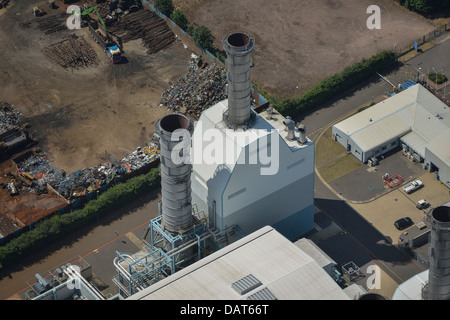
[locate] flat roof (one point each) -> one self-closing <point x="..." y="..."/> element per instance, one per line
<point x="415" y="115"/>
<point x="280" y="267"/>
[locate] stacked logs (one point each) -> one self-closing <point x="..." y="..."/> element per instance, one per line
<point x="73" y="53"/>
<point x="52" y="24"/>
<point x="146" y="25"/>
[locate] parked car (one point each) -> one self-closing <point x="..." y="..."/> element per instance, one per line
<point x="413" y="186"/>
<point x="422" y="204"/>
<point x="403" y="223"/>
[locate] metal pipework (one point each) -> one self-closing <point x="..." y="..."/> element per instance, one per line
<point x="176" y="206"/>
<point x="439" y="252"/>
<point x="238" y="47"/>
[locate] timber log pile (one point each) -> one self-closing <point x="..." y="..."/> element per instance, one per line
<point x="146" y="25"/>
<point x="74" y="53"/>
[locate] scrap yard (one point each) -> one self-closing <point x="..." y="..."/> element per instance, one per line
<point x="74" y="120"/>
<point x="80" y="105"/>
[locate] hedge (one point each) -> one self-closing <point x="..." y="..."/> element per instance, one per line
<point x="425" y="6"/>
<point x="334" y="85"/>
<point x="56" y="227"/>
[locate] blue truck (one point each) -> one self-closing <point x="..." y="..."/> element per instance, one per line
<point x="102" y="37"/>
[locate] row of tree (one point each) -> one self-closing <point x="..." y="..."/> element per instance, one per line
<point x="336" y="84"/>
<point x="425" y="6"/>
<point x="201" y="35"/>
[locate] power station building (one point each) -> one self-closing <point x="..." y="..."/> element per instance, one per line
<point x="261" y="266"/>
<point x="232" y="173"/>
<point x="414" y="119"/>
<point x="251" y="169"/>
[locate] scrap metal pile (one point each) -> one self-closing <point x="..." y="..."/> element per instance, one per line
<point x="73" y="52"/>
<point x="42" y="171"/>
<point x="9" y="116"/>
<point x="200" y="88"/>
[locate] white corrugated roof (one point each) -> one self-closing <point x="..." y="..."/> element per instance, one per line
<point x="411" y="289"/>
<point x="440" y="147"/>
<point x="380" y="111"/>
<point x="416" y="114"/>
<point x="380" y="132"/>
<point x="414" y="141"/>
<point x="287" y="271"/>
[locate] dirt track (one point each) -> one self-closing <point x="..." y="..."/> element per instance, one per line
<point x="299" y="42"/>
<point x="80" y="114"/>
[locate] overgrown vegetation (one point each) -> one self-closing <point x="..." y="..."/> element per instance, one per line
<point x="203" y="37"/>
<point x="438" y="78"/>
<point x="56" y="227"/>
<point x="180" y="19"/>
<point x="334" y="85"/>
<point x="425" y="6"/>
<point x="164" y="6"/>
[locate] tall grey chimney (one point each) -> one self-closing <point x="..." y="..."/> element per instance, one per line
<point x="238" y="47"/>
<point x="176" y="208"/>
<point x="438" y="287"/>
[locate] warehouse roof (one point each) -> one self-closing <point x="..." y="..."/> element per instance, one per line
<point x="415" y="115"/>
<point x="263" y="264"/>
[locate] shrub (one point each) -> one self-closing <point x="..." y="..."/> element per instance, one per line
<point x="180" y="19"/>
<point x="437" y="77"/>
<point x="203" y="37"/>
<point x="164" y="6"/>
<point x="425" y="6"/>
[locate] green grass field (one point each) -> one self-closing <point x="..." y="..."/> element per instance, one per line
<point x="339" y="167"/>
<point x="327" y="149"/>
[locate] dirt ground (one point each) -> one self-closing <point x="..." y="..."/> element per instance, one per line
<point x="79" y="114"/>
<point x="299" y="42"/>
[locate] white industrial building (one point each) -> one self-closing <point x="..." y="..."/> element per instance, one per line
<point x="263" y="265"/>
<point x="414" y="119"/>
<point x="237" y="192"/>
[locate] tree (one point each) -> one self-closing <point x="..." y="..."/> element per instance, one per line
<point x="164" y="6"/>
<point x="203" y="37"/>
<point x="180" y="19"/>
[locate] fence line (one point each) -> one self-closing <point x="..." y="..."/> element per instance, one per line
<point x="426" y="38"/>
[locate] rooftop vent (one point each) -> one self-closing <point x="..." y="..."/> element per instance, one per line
<point x="246" y="284"/>
<point x="263" y="294"/>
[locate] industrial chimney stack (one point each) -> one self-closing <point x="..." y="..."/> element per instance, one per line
<point x="176" y="206"/>
<point x="238" y="47"/>
<point x="438" y="287"/>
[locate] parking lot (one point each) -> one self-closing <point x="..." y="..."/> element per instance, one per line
<point x="385" y="210"/>
<point x="370" y="180"/>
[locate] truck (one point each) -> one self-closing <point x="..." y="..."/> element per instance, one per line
<point x="417" y="184"/>
<point x="106" y="42"/>
<point x="102" y="36"/>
